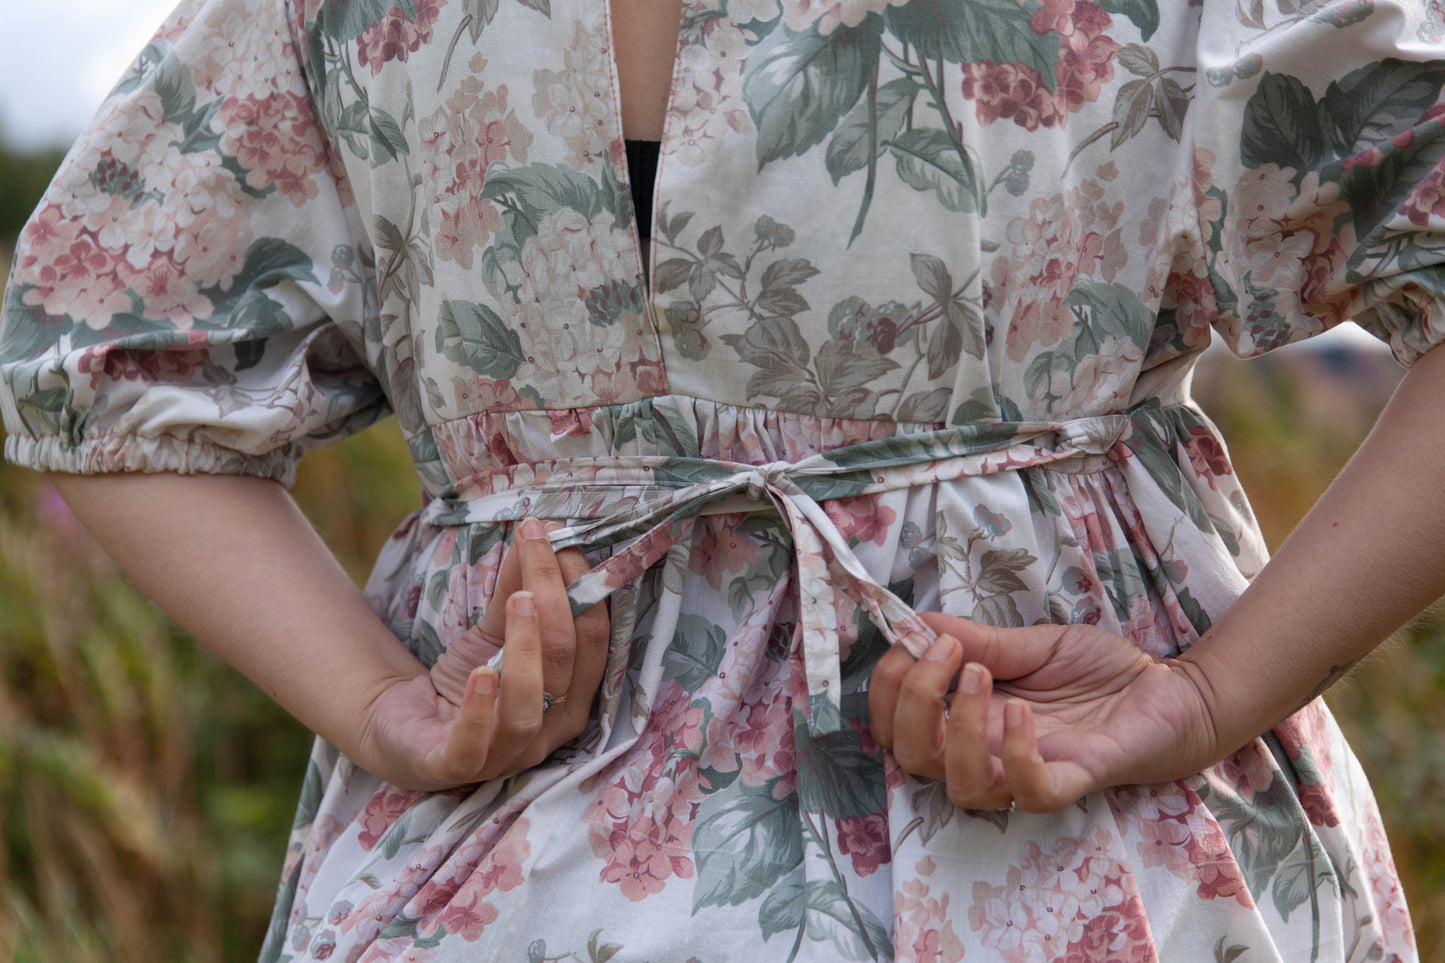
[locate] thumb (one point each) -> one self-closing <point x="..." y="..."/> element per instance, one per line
<point x="1006" y="653"/>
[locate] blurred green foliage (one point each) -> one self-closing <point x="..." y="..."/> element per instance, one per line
<point x="146" y="789"/>
<point x="23" y="178"/>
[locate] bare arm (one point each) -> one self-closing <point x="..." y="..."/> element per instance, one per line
<point x="1077" y="708"/>
<point x="234" y="561"/>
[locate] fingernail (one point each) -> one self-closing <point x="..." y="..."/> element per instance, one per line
<point x="531" y="528"/>
<point x="1013" y="714"/>
<point x="523" y="603"/>
<point x="940" y="651"/>
<point x="552" y="527"/>
<point x="484" y="680"/>
<point x="972" y="679"/>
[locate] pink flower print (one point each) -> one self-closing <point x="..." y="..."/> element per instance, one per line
<point x="647" y="846"/>
<point x="1086" y="58"/>
<point x="396" y="35"/>
<point x="1119" y="934"/>
<point x="719" y="549"/>
<point x="1165" y="844"/>
<point x="865" y="840"/>
<point x="276" y="140"/>
<point x="922" y="930"/>
<point x="168" y="292"/>
<point x="1010" y="92"/>
<point x="467" y="920"/>
<point x="1251" y="770"/>
<point x="1214" y="867"/>
<point x="107" y="363"/>
<point x="382" y="811"/>
<point x="641" y="823"/>
<point x="212" y="248"/>
<point x="575" y="103"/>
<point x="1206" y="455"/>
<point x="708" y="103"/>
<point x="861" y="519"/>
<point x="1093" y="528"/>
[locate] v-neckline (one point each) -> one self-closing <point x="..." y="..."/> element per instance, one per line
<point x="645" y="258"/>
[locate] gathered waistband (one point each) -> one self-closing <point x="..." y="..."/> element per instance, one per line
<point x="654" y="500"/>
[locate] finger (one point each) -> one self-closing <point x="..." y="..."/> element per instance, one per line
<point x="1006" y="653"/>
<point x="1028" y="775"/>
<point x="519" y="706"/>
<point x="884" y="685"/>
<point x="975" y="775"/>
<point x="478" y="644"/>
<point x="918" y="729"/>
<point x="493" y="624"/>
<point x="469" y="741"/>
<point x="593" y="630"/>
<point x="542" y="576"/>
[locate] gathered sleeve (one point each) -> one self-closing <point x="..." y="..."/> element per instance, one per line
<point x="1318" y="181"/>
<point x="191" y="293"/>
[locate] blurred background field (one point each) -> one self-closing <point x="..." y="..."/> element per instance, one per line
<point x="146" y="789"/>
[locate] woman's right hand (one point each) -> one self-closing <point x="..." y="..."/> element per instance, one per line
<point x="464" y="721"/>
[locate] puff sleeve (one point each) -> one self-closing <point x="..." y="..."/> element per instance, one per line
<point x="1318" y="179"/>
<point x="190" y="294"/>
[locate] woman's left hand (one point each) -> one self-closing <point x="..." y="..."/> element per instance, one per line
<point x="1041" y="715"/>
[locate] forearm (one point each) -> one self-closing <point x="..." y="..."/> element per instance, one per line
<point x="1368" y="556"/>
<point x="233" y="560"/>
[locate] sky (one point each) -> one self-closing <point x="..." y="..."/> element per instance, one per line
<point x="61" y="57"/>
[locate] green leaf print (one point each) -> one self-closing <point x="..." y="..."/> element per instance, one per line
<point x="667" y="431"/>
<point x="473" y="334"/>
<point x="171" y="80"/>
<point x="269" y="261"/>
<point x="395" y="836"/>
<point x="1262" y="833"/>
<point x="846" y="374"/>
<point x="851" y="927"/>
<point x="974" y="31"/>
<point x="798" y="86"/>
<point x="836" y="775"/>
<point x="1143" y="13"/>
<point x="540" y="189"/>
<point x="1298" y="877"/>
<point x="387" y="140"/>
<point x="344" y="20"/>
<point x="696" y="651"/>
<point x="862" y="133"/>
<point x="784" y="909"/>
<point x="1282" y="125"/>
<point x="1370" y="105"/>
<point x="311" y="791"/>
<point x="928" y="160"/>
<point x="1106" y="309"/>
<point x="744" y="842"/>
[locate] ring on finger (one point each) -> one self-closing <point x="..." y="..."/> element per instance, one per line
<point x="551" y="702"/>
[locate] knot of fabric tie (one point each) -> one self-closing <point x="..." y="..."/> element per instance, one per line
<point x="763" y="477"/>
<point x="643" y="505"/>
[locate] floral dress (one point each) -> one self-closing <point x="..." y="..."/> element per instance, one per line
<point x="927" y="282"/>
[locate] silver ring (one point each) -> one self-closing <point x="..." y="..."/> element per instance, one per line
<point x="550" y="702"/>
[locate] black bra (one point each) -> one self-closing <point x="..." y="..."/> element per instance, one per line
<point x="641" y="173"/>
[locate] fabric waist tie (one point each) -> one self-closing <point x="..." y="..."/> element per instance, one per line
<point x="654" y="500"/>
